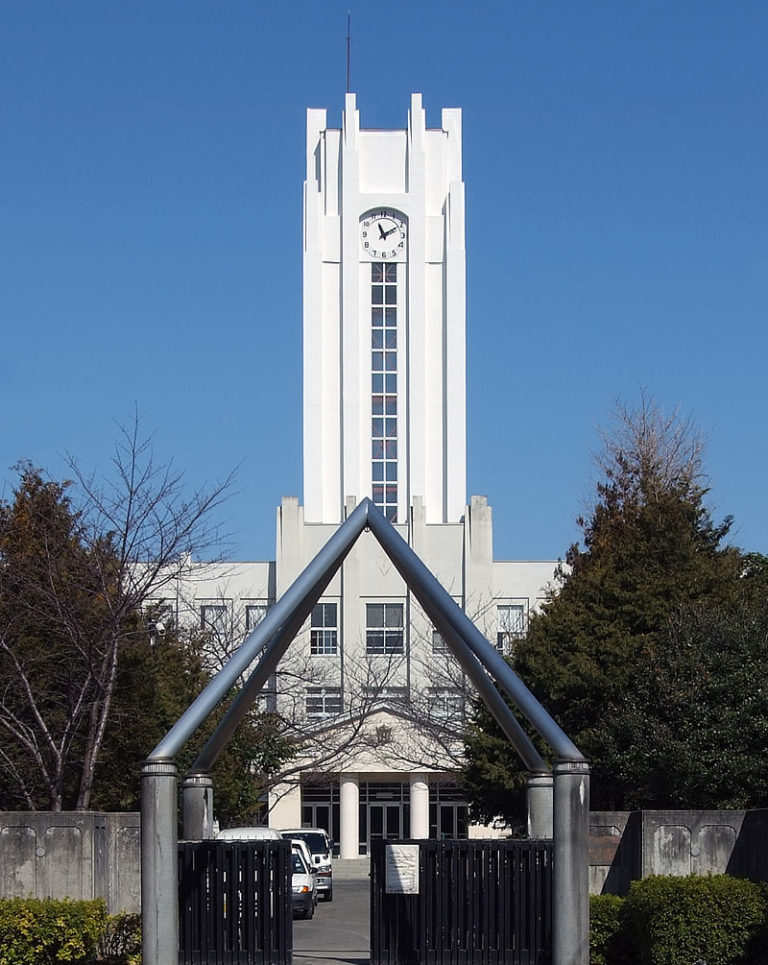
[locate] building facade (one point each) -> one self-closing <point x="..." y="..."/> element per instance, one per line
<point x="368" y="685"/>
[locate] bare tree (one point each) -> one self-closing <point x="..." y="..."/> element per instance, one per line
<point x="120" y="537"/>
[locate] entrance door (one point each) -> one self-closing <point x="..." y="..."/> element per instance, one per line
<point x="384" y="822"/>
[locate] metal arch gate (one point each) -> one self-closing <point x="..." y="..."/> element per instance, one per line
<point x="478" y="903"/>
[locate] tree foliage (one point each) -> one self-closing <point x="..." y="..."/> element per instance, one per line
<point x="83" y="695"/>
<point x="651" y="577"/>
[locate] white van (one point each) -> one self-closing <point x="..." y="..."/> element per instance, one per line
<point x="320" y="845"/>
<point x="248" y="834"/>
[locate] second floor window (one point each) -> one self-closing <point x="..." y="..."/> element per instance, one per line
<point x="384" y="628"/>
<point x="215" y="618"/>
<point x="323" y="701"/>
<point x="510" y="621"/>
<point x="324" y="630"/>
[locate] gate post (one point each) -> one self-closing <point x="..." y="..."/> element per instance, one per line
<point x="539" y="800"/>
<point x="570" y="871"/>
<point x="159" y="864"/>
<point x="197" y="807"/>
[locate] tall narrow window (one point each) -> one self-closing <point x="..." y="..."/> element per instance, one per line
<point x="511" y="625"/>
<point x="324" y="630"/>
<point x="384" y="387"/>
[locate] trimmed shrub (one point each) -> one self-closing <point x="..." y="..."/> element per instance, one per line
<point x="716" y="918"/>
<point x="121" y="943"/>
<point x="44" y="931"/>
<point x="607" y="942"/>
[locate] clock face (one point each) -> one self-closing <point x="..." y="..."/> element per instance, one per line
<point x="384" y="235"/>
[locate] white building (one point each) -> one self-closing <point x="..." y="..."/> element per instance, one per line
<point x="369" y="683"/>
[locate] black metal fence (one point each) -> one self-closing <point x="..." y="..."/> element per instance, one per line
<point x="235" y="903"/>
<point x="478" y="903"/>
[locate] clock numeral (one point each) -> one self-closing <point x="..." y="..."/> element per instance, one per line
<point x="365" y="234"/>
<point x="401" y="245"/>
<point x="366" y="244"/>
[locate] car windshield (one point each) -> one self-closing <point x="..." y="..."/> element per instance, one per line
<point x="299" y="866"/>
<point x="316" y="842"/>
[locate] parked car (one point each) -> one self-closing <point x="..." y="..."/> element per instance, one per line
<point x="303" y="886"/>
<point x="320" y="846"/>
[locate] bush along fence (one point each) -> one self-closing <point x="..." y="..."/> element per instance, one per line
<point x="47" y="931"/>
<point x="711" y="920"/>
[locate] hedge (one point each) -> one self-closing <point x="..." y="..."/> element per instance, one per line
<point x="44" y="931"/>
<point x="715" y="919"/>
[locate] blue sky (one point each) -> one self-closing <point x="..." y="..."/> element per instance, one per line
<point x="615" y="159"/>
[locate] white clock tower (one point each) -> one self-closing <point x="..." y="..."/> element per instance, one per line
<point x="384" y="317"/>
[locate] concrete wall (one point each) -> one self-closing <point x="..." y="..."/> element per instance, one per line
<point x="86" y="855"/>
<point x="628" y="845"/>
<point x="71" y="854"/>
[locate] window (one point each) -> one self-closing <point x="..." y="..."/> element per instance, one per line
<point x="438" y="643"/>
<point x="215" y="617"/>
<point x="384" y="388"/>
<point x="384" y="628"/>
<point x="387" y="696"/>
<point x="323" y="701"/>
<point x="324" y="630"/>
<point x="510" y="620"/>
<point x="254" y="614"/>
<point x="446" y="704"/>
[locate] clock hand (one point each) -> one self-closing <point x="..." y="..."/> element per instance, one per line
<point x="382" y="232"/>
<point x="391" y="230"/>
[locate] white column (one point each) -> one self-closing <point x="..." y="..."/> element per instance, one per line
<point x="349" y="814"/>
<point x="419" y="806"/>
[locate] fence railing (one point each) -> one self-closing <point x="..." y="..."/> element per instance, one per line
<point x="478" y="903"/>
<point x="235" y="903"/>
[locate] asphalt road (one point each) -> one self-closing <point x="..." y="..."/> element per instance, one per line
<point x="340" y="930"/>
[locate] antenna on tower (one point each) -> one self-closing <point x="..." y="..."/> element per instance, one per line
<point x="349" y="48"/>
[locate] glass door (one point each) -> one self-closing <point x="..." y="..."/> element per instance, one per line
<point x="384" y="822"/>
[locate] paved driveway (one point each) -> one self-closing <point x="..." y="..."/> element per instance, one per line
<point x="340" y="930"/>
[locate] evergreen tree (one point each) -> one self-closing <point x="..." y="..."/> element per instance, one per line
<point x="650" y="551"/>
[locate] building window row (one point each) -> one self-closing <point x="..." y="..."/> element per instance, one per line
<point x="384" y="365"/>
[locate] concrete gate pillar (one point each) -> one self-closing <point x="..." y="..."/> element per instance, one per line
<point x="349" y="816"/>
<point x="419" y="806"/>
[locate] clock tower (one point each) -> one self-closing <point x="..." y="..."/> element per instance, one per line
<point x="384" y="317"/>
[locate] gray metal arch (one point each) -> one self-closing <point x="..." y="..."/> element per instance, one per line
<point x="480" y="661"/>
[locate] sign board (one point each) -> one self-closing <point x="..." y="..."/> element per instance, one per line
<point x="402" y="869"/>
